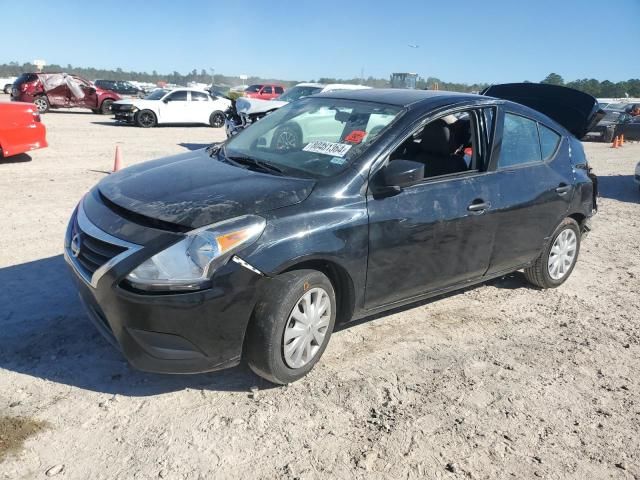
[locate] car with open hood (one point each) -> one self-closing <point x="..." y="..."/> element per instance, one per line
<point x="257" y="247"/>
<point x="173" y="106"/>
<point x="245" y="111"/>
<point x="61" y="90"/>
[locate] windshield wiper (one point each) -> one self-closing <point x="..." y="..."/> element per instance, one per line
<point x="255" y="163"/>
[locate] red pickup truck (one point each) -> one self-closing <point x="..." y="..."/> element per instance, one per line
<point x="264" y="91"/>
<point x="20" y="129"/>
<point x="60" y="90"/>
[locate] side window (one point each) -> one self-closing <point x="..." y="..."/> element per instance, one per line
<point x="199" y="97"/>
<point x="267" y="90"/>
<point x="445" y="146"/>
<point x="279" y="90"/>
<point x="179" y="96"/>
<point x="549" y="141"/>
<point x="520" y="142"/>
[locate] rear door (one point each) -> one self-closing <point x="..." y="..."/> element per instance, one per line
<point x="534" y="176"/>
<point x="200" y="107"/>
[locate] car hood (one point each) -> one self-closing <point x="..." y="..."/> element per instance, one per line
<point x="576" y="111"/>
<point x="255" y="105"/>
<point x="194" y="189"/>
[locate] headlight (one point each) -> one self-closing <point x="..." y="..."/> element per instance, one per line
<point x="188" y="264"/>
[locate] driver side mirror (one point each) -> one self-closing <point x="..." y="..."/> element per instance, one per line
<point x="91" y="90"/>
<point x="166" y="100"/>
<point x="403" y="173"/>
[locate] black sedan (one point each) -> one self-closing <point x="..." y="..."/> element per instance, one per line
<point x="615" y="123"/>
<point x="332" y="208"/>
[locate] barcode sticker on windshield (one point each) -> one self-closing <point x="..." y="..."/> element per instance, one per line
<point x="327" y="148"/>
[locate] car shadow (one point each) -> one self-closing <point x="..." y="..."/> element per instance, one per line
<point x="619" y="187"/>
<point x="20" y="158"/>
<point x="194" y="146"/>
<point x="45" y="334"/>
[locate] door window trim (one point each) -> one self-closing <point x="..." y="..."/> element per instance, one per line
<point x="552" y="157"/>
<point x="383" y="158"/>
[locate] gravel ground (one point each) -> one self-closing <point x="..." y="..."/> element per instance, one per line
<point x="499" y="381"/>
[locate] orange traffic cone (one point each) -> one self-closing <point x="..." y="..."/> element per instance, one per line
<point x="117" y="164"/>
<point x="615" y="143"/>
<point x="621" y="139"/>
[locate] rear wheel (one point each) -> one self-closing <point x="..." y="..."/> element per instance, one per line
<point x="145" y="119"/>
<point x="291" y="326"/>
<point x="42" y="104"/>
<point x="216" y="120"/>
<point x="105" y="108"/>
<point x="7" y="88"/>
<point x="552" y="268"/>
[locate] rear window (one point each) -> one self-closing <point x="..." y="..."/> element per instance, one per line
<point x="549" y="141"/>
<point x="520" y="143"/>
<point x="279" y="89"/>
<point x="26" y="77"/>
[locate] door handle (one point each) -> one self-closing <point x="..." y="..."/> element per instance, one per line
<point x="479" y="206"/>
<point x="563" y="189"/>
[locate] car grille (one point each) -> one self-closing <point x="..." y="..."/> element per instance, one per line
<point x="92" y="252"/>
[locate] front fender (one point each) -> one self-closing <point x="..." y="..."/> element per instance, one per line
<point x="337" y="235"/>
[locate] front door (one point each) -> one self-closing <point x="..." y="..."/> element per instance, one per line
<point x="174" y="108"/>
<point x="439" y="232"/>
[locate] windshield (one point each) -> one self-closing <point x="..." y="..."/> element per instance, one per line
<point x="156" y="94"/>
<point x="313" y="137"/>
<point x="253" y="88"/>
<point x="297" y="93"/>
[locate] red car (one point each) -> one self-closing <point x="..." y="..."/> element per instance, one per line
<point x="264" y="91"/>
<point x="20" y="129"/>
<point x="59" y="90"/>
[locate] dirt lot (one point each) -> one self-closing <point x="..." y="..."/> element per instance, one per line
<point x="500" y="381"/>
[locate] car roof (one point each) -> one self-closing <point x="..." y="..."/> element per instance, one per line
<point x="398" y="96"/>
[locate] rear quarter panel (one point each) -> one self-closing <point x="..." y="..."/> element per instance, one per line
<point x="19" y="133"/>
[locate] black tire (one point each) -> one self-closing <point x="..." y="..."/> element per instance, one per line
<point x="42" y="104"/>
<point x="265" y="337"/>
<point x="7" y="88"/>
<point x="145" y="119"/>
<point x="105" y="108"/>
<point x="216" y="120"/>
<point x="538" y="273"/>
<point x="287" y="138"/>
<point x="607" y="135"/>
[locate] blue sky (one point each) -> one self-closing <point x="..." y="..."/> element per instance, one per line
<point x="461" y="41"/>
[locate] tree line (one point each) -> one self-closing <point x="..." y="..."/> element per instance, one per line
<point x="597" y="88"/>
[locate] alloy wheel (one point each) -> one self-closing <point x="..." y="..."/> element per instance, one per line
<point x="41" y="104"/>
<point x="218" y="120"/>
<point x="286" y="140"/>
<point x="146" y="119"/>
<point x="562" y="254"/>
<point x="306" y="328"/>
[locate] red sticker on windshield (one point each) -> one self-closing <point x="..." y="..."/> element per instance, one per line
<point x="356" y="136"/>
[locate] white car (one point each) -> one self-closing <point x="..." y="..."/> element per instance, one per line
<point x="180" y="105"/>
<point x="7" y="83"/>
<point x="248" y="110"/>
<point x="636" y="177"/>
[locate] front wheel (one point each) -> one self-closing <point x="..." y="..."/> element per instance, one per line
<point x="216" y="120"/>
<point x="291" y="326"/>
<point x="105" y="108"/>
<point x="42" y="104"/>
<point x="552" y="268"/>
<point x="145" y="119"/>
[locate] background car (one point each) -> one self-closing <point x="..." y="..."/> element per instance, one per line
<point x="180" y="105"/>
<point x="121" y="87"/>
<point x="636" y="177"/>
<point x="20" y="129"/>
<point x="614" y="123"/>
<point x="264" y="91"/>
<point x="245" y="111"/>
<point x="60" y="90"/>
<point x="6" y="84"/>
